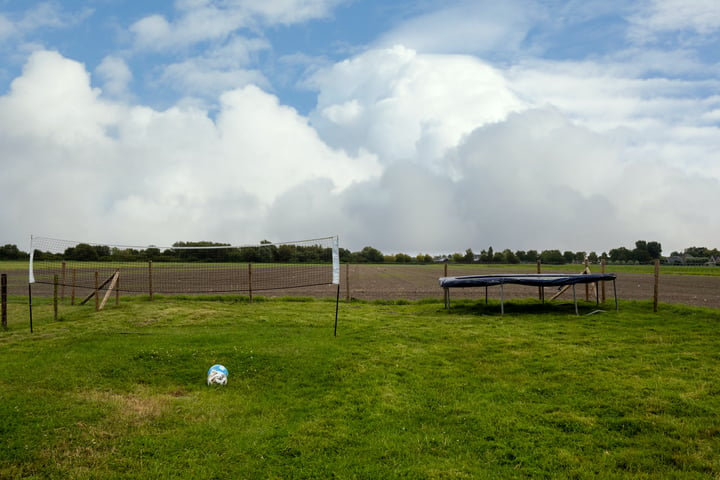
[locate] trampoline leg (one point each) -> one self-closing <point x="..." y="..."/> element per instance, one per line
<point x="502" y="300"/>
<point x="597" y="293"/>
<point x="615" y="293"/>
<point x="575" y="301"/>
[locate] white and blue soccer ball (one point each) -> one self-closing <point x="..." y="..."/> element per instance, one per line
<point x="217" y="375"/>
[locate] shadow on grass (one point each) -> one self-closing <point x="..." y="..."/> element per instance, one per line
<point x="526" y="307"/>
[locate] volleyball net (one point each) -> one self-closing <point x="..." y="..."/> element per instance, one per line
<point x="184" y="267"/>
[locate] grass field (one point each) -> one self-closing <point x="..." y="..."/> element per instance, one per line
<point x="406" y="390"/>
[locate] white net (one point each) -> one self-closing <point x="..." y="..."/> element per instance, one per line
<point x="185" y="267"/>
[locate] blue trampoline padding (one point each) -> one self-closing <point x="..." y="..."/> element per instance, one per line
<point x="533" y="279"/>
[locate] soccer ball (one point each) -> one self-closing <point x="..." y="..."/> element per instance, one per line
<point x="217" y="375"/>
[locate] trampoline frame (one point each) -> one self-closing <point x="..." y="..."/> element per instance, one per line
<point x="530" y="279"/>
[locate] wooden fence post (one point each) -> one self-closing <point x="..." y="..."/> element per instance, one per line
<point x="55" y="297"/>
<point x="3" y="300"/>
<point x="657" y="285"/>
<point x="150" y="279"/>
<point x="73" y="275"/>
<point x="97" y="293"/>
<point x="250" y="281"/>
<point x="62" y="284"/>
<point x="347" y="282"/>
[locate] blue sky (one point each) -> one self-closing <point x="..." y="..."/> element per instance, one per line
<point x="411" y="126"/>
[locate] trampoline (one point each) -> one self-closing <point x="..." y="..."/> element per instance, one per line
<point x="531" y="279"/>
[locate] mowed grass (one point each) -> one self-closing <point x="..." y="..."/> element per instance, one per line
<point x="406" y="390"/>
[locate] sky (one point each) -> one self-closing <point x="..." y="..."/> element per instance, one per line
<point x="409" y="126"/>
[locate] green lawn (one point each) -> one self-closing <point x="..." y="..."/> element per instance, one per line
<point x="406" y="390"/>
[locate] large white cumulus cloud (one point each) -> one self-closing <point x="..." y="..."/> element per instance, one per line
<point x="406" y="106"/>
<point x="79" y="166"/>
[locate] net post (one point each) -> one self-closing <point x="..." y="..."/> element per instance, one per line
<point x="602" y="286"/>
<point x="30" y="305"/>
<point x="337" y="307"/>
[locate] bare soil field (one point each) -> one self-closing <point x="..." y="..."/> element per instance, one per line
<point x="370" y="282"/>
<point x="416" y="282"/>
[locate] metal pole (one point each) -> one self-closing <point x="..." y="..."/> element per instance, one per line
<point x="30" y="305"/>
<point x="337" y="306"/>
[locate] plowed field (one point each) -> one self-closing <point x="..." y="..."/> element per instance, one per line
<point x="414" y="282"/>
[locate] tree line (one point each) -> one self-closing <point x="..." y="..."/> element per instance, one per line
<point x="266" y="252"/>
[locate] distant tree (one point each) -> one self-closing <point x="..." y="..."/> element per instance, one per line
<point x="424" y="258"/>
<point x="592" y="257"/>
<point x="152" y="253"/>
<point x="655" y="250"/>
<point x="11" y="252"/>
<point x="345" y="255"/>
<point x="568" y="256"/>
<point x="82" y="252"/>
<point x="490" y="254"/>
<point x="620" y="254"/>
<point x="552" y="257"/>
<point x="532" y="256"/>
<point x="696" y="252"/>
<point x="509" y="257"/>
<point x="369" y="255"/>
<point x="403" y="258"/>
<point x="640" y="253"/>
<point x="469" y="256"/>
<point x="580" y="256"/>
